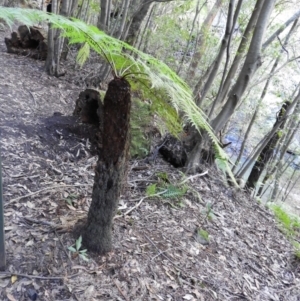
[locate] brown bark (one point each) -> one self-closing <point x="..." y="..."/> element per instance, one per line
<point x="111" y="167"/>
<point x="28" y="42"/>
<point x="267" y="153"/>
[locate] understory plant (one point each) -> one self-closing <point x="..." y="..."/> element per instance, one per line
<point x="289" y="225"/>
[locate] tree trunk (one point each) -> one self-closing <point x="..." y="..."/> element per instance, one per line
<point x="104" y="15"/>
<point x="223" y="91"/>
<point x="205" y="27"/>
<point x="216" y="64"/>
<point x="267" y="153"/>
<point x="252" y="63"/>
<point x="111" y="167"/>
<point x="136" y="22"/>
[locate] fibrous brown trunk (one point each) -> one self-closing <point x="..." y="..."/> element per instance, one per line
<point x="111" y="167"/>
<point x="28" y="41"/>
<point x="267" y="153"/>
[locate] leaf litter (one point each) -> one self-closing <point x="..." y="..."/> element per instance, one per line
<point x="158" y="253"/>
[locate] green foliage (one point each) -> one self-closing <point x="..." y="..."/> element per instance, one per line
<point x="144" y="72"/>
<point x="203" y="234"/>
<point x="288" y="222"/>
<point x="71" y="199"/>
<point x="209" y="214"/>
<point x="151" y="190"/>
<point x="83" y="54"/>
<point x="290" y="226"/>
<point x="77" y="249"/>
<point x="163" y="188"/>
<point x="173" y="192"/>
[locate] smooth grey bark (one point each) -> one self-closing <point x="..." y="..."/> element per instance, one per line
<point x="252" y="63"/>
<point x="50" y="60"/>
<point x="104" y="15"/>
<point x="223" y="91"/>
<point x="55" y="42"/>
<point x="236" y="14"/>
<point x="214" y="67"/>
<point x="136" y="21"/>
<point x="205" y="28"/>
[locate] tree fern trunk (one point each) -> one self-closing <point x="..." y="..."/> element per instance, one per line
<point x="111" y="167"/>
<point x="267" y="153"/>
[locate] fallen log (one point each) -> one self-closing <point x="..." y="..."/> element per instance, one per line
<point x="28" y="41"/>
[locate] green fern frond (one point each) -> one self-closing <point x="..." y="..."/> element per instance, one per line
<point x="83" y="54"/>
<point x="151" y="190"/>
<point x="172" y="91"/>
<point x="173" y="192"/>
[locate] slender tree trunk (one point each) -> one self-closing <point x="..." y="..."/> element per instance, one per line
<point x="111" y="167"/>
<point x="237" y="12"/>
<point x="223" y="91"/>
<point x="216" y="64"/>
<point x="198" y="10"/>
<point x="205" y="28"/>
<point x="104" y="15"/>
<point x="136" y="22"/>
<point x="252" y="63"/>
<point x="280" y="30"/>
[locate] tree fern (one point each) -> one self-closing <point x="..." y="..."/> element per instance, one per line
<point x="140" y="69"/>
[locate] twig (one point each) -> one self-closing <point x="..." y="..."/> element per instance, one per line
<point x="134" y="207"/>
<point x="44" y="189"/>
<point x="6" y="275"/>
<point x="193" y="177"/>
<point x="120" y="290"/>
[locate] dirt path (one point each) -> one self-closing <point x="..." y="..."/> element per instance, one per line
<point x="158" y="254"/>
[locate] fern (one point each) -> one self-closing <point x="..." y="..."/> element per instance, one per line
<point x="151" y="190"/>
<point x="173" y="192"/>
<point x="140" y="69"/>
<point x="83" y="54"/>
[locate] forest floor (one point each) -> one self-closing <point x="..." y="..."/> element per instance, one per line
<point x="161" y="249"/>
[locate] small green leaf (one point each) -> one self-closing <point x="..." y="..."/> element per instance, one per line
<point x="72" y="249"/>
<point x="82" y="256"/>
<point x="78" y="243"/>
<point x="151" y="190"/>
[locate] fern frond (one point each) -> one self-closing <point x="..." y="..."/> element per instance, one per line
<point x="83" y="54"/>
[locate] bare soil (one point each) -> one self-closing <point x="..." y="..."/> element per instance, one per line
<point x="158" y="253"/>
